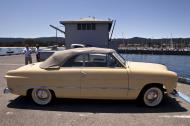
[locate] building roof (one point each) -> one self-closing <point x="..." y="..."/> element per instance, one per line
<point x="86" y="20"/>
<point x="60" y="57"/>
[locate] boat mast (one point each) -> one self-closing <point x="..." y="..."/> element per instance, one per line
<point x="171" y="42"/>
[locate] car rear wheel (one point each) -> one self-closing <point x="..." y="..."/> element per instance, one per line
<point x="41" y="96"/>
<point x="152" y="96"/>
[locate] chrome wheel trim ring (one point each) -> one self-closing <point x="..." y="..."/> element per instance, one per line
<point x="153" y="96"/>
<point x="41" y="96"/>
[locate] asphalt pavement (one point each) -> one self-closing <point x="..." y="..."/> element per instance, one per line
<point x="21" y="111"/>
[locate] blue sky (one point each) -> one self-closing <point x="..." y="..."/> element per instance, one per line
<point x="142" y="18"/>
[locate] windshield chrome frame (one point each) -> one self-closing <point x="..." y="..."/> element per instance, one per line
<point x="120" y="58"/>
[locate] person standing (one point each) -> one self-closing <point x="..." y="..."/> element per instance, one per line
<point x="27" y="52"/>
<point x="37" y="53"/>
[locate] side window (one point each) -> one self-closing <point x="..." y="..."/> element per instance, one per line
<point x="76" y="61"/>
<point x="102" y="60"/>
<point x="92" y="60"/>
<point x="96" y="60"/>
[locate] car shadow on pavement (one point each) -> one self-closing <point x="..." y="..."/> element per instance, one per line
<point x="98" y="106"/>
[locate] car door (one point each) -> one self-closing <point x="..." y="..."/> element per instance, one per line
<point x="104" y="80"/>
<point x="70" y="77"/>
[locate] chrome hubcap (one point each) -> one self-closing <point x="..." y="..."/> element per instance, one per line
<point x="153" y="96"/>
<point x="42" y="94"/>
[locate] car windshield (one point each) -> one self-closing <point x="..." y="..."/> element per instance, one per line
<point x="119" y="57"/>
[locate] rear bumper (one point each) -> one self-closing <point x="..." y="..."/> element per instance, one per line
<point x="7" y="91"/>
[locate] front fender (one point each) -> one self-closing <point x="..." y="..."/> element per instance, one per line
<point x="139" y="79"/>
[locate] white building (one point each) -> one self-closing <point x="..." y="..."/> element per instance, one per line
<point x="88" y="31"/>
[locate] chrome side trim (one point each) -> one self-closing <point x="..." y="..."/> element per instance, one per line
<point x="78" y="87"/>
<point x="104" y="88"/>
<point x="69" y="87"/>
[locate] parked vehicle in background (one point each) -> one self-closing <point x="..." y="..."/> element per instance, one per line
<point x="77" y="46"/>
<point x="45" y="53"/>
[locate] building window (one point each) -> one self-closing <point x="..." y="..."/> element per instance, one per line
<point x="83" y="26"/>
<point x="79" y="26"/>
<point x="93" y="26"/>
<point x="86" y="26"/>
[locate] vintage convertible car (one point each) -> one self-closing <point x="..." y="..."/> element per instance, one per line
<point x="91" y="73"/>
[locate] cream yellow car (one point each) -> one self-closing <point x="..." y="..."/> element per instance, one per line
<point x="91" y="73"/>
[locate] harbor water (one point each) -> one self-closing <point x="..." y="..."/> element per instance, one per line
<point x="178" y="63"/>
<point x="10" y="50"/>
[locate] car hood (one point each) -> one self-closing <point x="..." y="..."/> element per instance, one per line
<point x="146" y="66"/>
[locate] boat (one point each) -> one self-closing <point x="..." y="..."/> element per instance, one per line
<point x="9" y="51"/>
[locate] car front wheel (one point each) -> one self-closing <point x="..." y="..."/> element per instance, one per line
<point x="41" y="96"/>
<point x="152" y="96"/>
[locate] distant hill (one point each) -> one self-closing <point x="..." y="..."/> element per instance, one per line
<point x="48" y="41"/>
<point x="43" y="41"/>
<point x="3" y="40"/>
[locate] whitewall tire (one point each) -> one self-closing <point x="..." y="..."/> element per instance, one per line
<point x="41" y="96"/>
<point x="152" y="96"/>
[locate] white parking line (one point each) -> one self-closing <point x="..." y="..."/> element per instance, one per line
<point x="6" y="64"/>
<point x="184" y="97"/>
<point x="176" y="116"/>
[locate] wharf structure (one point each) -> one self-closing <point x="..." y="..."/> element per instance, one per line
<point x="137" y="43"/>
<point x="88" y="31"/>
<point x="165" y="46"/>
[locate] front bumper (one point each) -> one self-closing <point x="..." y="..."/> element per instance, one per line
<point x="174" y="93"/>
<point x="7" y="91"/>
